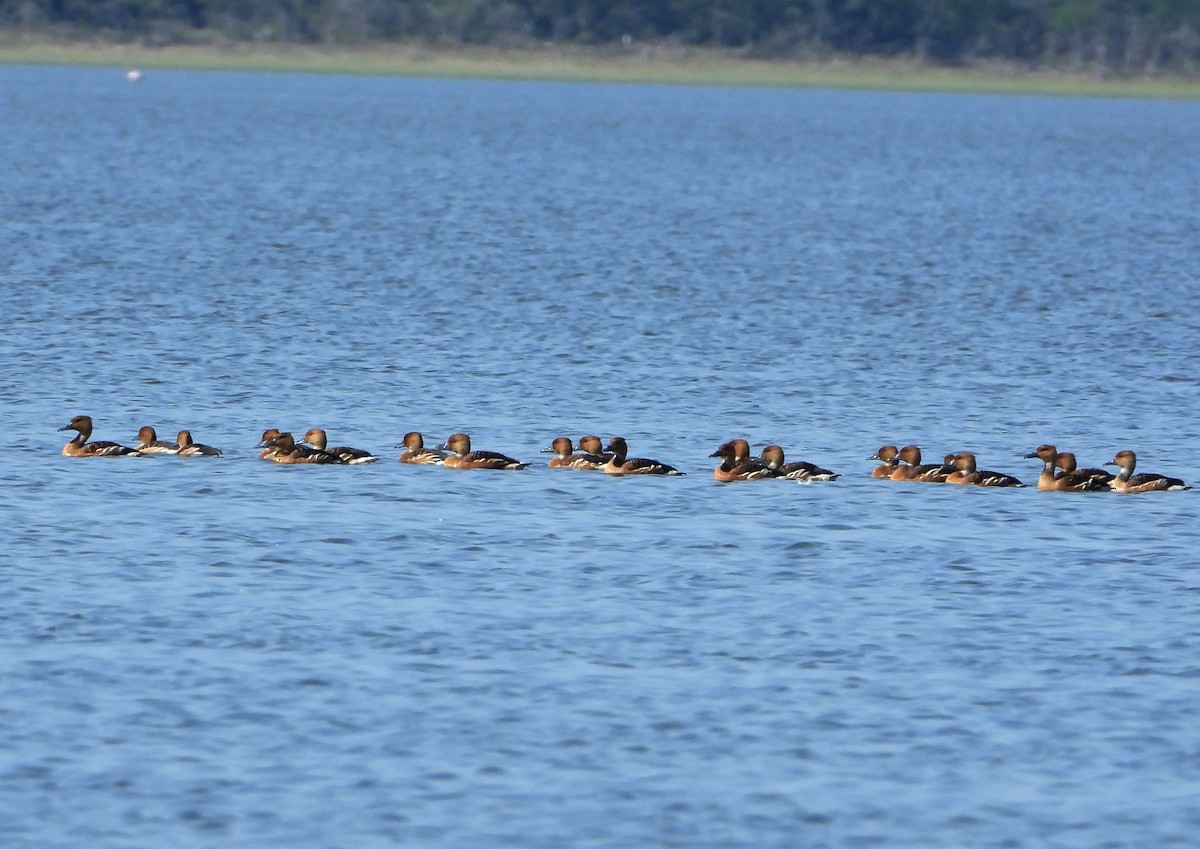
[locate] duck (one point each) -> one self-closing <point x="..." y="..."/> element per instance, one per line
<point x="462" y="457"/>
<point x="592" y="444"/>
<point x="188" y="448"/>
<point x="1048" y="481"/>
<point x="912" y="470"/>
<point x="619" y="464"/>
<point x="566" y="458"/>
<point x="350" y="456"/>
<point x="963" y="471"/>
<point x="149" y="443"/>
<point x="80" y="447"/>
<point x="888" y="455"/>
<point x="1127" y="481"/>
<point x="1066" y="462"/>
<point x="773" y="455"/>
<point x="741" y="450"/>
<point x="288" y="453"/>
<point x="416" y="453"/>
<point x="267" y="443"/>
<point x="737" y="465"/>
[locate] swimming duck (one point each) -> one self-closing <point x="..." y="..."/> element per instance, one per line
<point x="1127" y="481"/>
<point x="149" y="443"/>
<point x="289" y="453"/>
<point x="964" y="471"/>
<point x="798" y="470"/>
<point x="187" y="448"/>
<point x="619" y="465"/>
<point x="591" y="444"/>
<point x="741" y="449"/>
<point x="912" y="470"/>
<point x="267" y="443"/>
<point x="566" y="458"/>
<point x="889" y="456"/>
<point x="415" y="451"/>
<point x="1066" y="462"/>
<point x="1048" y="481"/>
<point x="80" y="447"/>
<point x="462" y="457"/>
<point x="350" y="456"/>
<point x="737" y="465"/>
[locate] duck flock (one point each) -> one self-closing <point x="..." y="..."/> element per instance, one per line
<point x="1060" y="472"/>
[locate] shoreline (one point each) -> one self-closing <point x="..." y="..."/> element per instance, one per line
<point x="639" y="64"/>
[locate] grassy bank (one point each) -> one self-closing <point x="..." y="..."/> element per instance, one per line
<point x="666" y="65"/>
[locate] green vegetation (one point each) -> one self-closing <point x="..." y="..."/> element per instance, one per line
<point x="1131" y="37"/>
<point x="691" y="67"/>
<point x="1109" y="47"/>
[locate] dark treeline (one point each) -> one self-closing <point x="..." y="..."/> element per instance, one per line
<point x="1133" y="36"/>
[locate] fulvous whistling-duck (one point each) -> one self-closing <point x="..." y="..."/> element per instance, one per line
<point x="912" y="470"/>
<point x="888" y="455"/>
<point x="799" y="470"/>
<point x="965" y="472"/>
<point x="1066" y="462"/>
<point x="1127" y="481"/>
<point x="566" y="458"/>
<point x="462" y="457"/>
<point x="619" y="464"/>
<point x="80" y="447"/>
<point x="1050" y="482"/>
<point x="415" y="451"/>
<point x="188" y="448"/>
<point x="350" y="456"/>
<point x="288" y="452"/>
<point x="149" y="443"/>
<point x="736" y="464"/>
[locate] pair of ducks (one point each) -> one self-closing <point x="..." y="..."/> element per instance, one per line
<point x="904" y="464"/>
<point x="147" y="443"/>
<point x="615" y="461"/>
<point x="738" y="465"/>
<point x="281" y="447"/>
<point x="454" y="453"/>
<point x="1069" y="478"/>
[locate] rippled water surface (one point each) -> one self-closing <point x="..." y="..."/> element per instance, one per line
<point x="231" y="653"/>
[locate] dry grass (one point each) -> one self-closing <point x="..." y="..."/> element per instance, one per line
<point x="660" y="64"/>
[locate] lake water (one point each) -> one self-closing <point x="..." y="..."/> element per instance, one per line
<point x="229" y="653"/>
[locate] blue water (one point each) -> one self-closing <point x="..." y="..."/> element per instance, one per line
<point x="216" y="653"/>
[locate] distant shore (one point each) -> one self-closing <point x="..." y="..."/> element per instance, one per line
<point x="670" y="65"/>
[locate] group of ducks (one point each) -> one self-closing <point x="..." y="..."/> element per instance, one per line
<point x="1059" y="470"/>
<point x="281" y="447"/>
<point x="456" y="453"/>
<point x="147" y="443"/>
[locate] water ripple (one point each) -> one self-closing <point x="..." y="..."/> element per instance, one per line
<point x="236" y="653"/>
